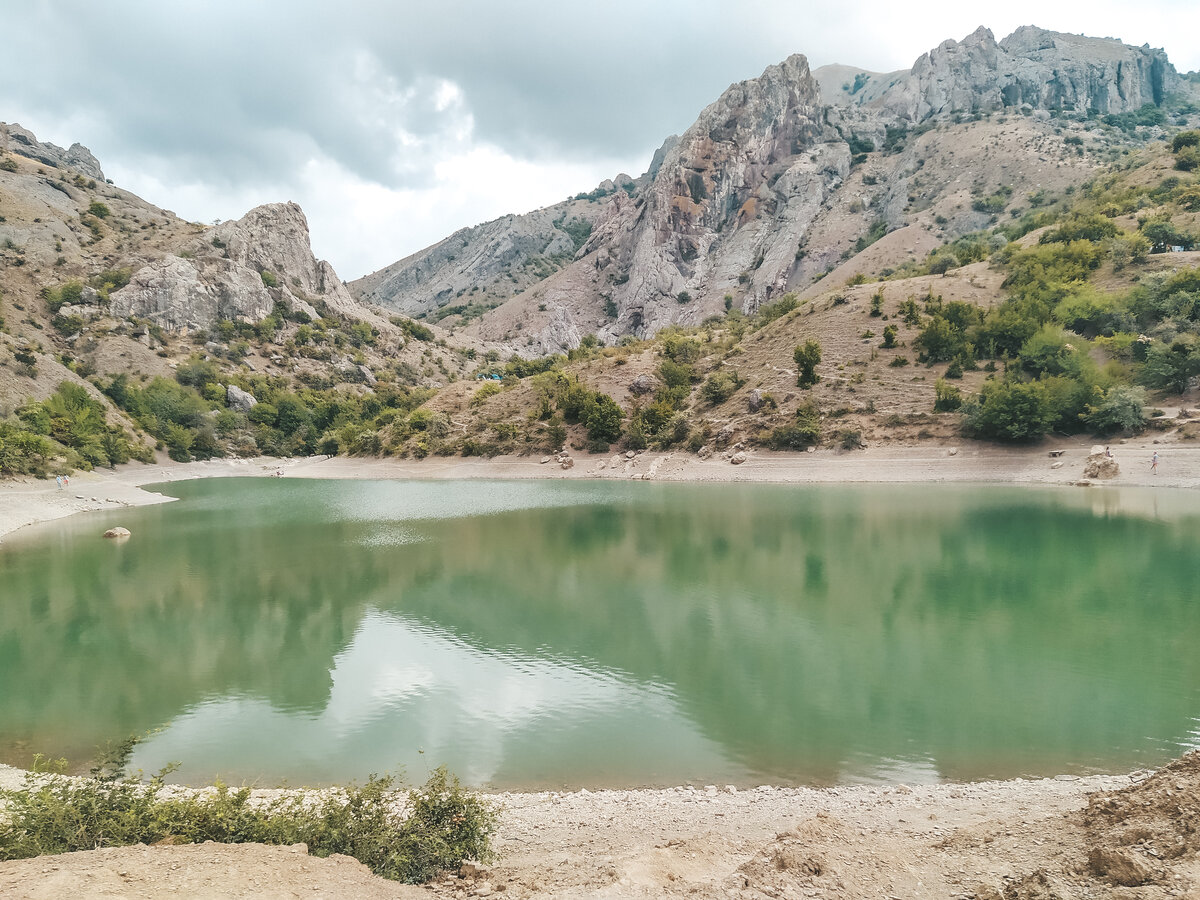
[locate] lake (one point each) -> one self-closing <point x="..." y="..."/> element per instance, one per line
<point x="544" y="634"/>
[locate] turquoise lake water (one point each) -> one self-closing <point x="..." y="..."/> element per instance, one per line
<point x="551" y="634"/>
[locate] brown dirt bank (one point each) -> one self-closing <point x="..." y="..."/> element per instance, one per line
<point x="1097" y="837"/>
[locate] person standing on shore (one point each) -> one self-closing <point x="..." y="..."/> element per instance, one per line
<point x="1154" y="463"/>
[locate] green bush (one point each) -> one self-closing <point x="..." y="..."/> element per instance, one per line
<point x="720" y="386"/>
<point x="99" y="210"/>
<point x="1122" y="408"/>
<point x="807" y="356"/>
<point x="941" y="339"/>
<point x="603" y="419"/>
<point x="1188" y="159"/>
<point x="1185" y="139"/>
<point x="1081" y="228"/>
<point x="489" y="389"/>
<point x="269" y="279"/>
<point x="1010" y="411"/>
<point x="442" y="824"/>
<point x="947" y="397"/>
<point x="22" y="452"/>
<point x="1169" y="367"/>
<point x="73" y="418"/>
<point x="802" y="432"/>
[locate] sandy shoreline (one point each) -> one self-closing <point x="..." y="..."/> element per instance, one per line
<point x="26" y="502"/>
<point x="974" y="841"/>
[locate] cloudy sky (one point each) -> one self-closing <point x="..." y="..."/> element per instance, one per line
<point x="394" y="123"/>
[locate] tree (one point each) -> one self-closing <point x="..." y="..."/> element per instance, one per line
<point x="1121" y="408"/>
<point x="603" y="418"/>
<point x="807" y="356"/>
<point x="947" y="397"/>
<point x="1011" y="411"/>
<point x="877" y="303"/>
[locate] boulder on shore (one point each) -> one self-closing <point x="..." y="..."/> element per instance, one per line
<point x="1100" y="465"/>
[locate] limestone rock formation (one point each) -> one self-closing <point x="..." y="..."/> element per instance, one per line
<point x="499" y="257"/>
<point x="20" y="140"/>
<point x="1100" y="465"/>
<point x="236" y="398"/>
<point x="236" y="270"/>
<point x="117" y="532"/>
<point x="1031" y="68"/>
<point x="749" y="202"/>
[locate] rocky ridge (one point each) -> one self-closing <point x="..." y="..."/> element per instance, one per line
<point x="765" y="192"/>
<point x="236" y="270"/>
<point x="20" y="140"/>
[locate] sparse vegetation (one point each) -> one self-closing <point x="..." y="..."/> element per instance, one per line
<point x="441" y="824"/>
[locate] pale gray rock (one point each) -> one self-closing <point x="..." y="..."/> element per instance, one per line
<point x="1100" y="465"/>
<point x="117" y="532"/>
<point x="192" y="293"/>
<point x="642" y="385"/>
<point x="236" y="398"/>
<point x="1032" y="68"/>
<point x="738" y="458"/>
<point x="754" y="401"/>
<point x="78" y="157"/>
<point x="223" y="275"/>
<point x="725" y="436"/>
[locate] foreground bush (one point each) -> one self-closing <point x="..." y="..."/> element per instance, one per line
<point x="441" y="825"/>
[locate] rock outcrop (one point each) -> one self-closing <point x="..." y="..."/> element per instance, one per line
<point x="237" y="270"/>
<point x="1100" y="464"/>
<point x="20" y="140"/>
<point x="1032" y="68"/>
<point x="236" y="398"/>
<point x="728" y="211"/>
<point x="499" y="258"/>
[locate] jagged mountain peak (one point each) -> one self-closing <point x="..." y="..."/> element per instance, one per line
<point x="23" y="141"/>
<point x="763" y="193"/>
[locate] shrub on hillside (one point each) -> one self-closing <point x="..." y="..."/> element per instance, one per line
<point x="720" y="386"/>
<point x="807" y="356"/>
<point x="802" y="432"/>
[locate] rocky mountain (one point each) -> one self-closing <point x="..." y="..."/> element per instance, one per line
<point x="237" y="270"/>
<point x="1031" y="68"/>
<point x="96" y="282"/>
<point x="784" y="178"/>
<point x="78" y="157"/>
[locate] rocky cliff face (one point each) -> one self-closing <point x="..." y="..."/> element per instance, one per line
<point x="1032" y="68"/>
<point x="236" y="270"/>
<point x="727" y="206"/>
<point x="16" y="139"/>
<point x="492" y="261"/>
<point x="745" y="204"/>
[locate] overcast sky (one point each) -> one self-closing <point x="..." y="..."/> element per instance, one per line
<point x="395" y="123"/>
